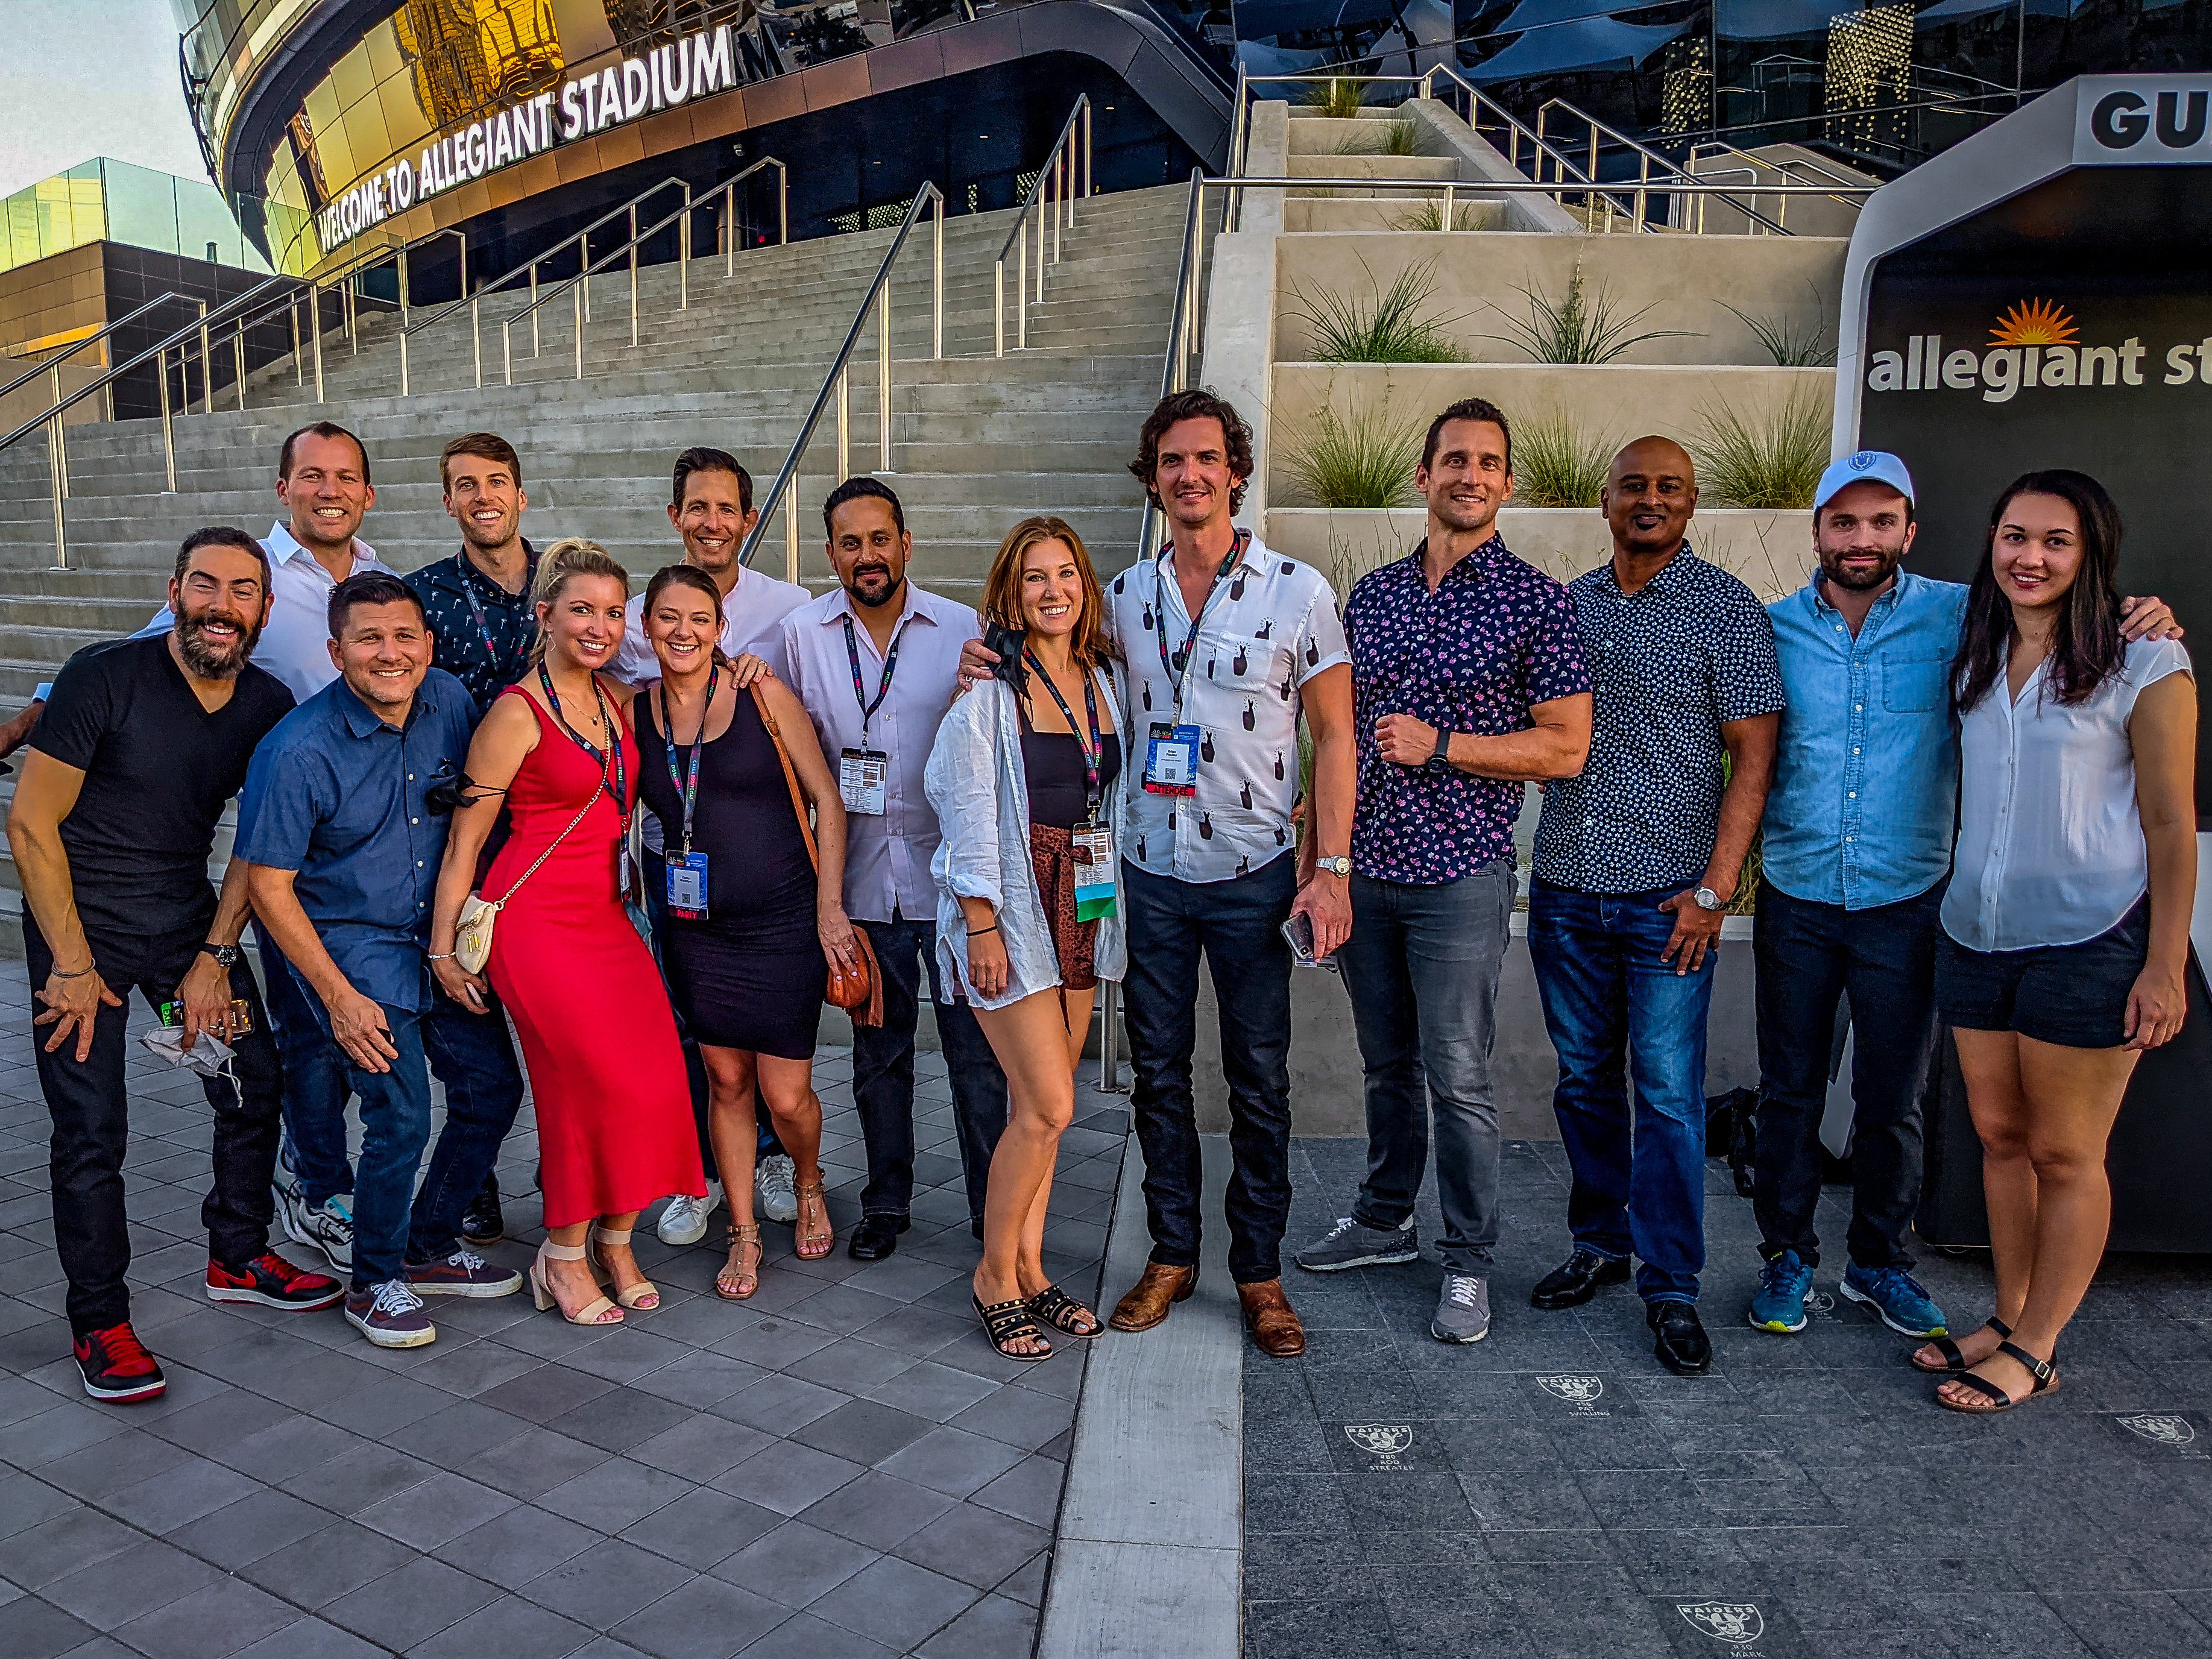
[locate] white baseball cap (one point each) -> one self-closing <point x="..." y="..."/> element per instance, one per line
<point x="1863" y="466"/>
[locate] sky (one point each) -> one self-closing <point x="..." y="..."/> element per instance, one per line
<point x="81" y="78"/>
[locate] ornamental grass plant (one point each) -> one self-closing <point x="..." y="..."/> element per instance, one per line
<point x="1792" y="346"/>
<point x="1396" y="325"/>
<point x="1363" y="458"/>
<point x="1580" y="325"/>
<point x="1340" y="98"/>
<point x="1770" y="457"/>
<point x="1557" y="463"/>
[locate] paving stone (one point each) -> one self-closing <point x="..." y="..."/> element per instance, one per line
<point x="951" y="1460"/>
<point x="318" y="1569"/>
<point x="533" y="1462"/>
<point x="441" y="1508"/>
<point x="38" y="1630"/>
<point x="701" y="1528"/>
<point x="411" y="1605"/>
<point x="705" y="1619"/>
<point x="510" y="1628"/>
<point x="150" y="1574"/>
<point x="863" y="1432"/>
<point x="242" y="1533"/>
<point x="786" y="1477"/>
<point x="804" y="1637"/>
<point x="795" y="1563"/>
<point x="896" y="1603"/>
<point x="211" y="1623"/>
<point x="517" y="1546"/>
<point x="615" y="1494"/>
<point x="877" y="1510"/>
<point x="994" y="1628"/>
<point x="1030" y="1491"/>
<point x="311" y="1638"/>
<point x="607" y="1583"/>
<point x="974" y="1545"/>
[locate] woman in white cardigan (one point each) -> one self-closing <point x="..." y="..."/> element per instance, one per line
<point x="1024" y="777"/>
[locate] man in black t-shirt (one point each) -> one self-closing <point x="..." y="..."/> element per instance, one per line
<point x="141" y="744"/>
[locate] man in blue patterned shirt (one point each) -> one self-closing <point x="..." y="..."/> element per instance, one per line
<point x="1469" y="683"/>
<point x="1636" y="860"/>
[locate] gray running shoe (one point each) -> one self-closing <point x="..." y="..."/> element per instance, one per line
<point x="1348" y="1244"/>
<point x="1462" y="1310"/>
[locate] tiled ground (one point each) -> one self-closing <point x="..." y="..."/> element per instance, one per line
<point x="1552" y="1491"/>
<point x="842" y="1466"/>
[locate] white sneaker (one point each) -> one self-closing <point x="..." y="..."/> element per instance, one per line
<point x="684" y="1220"/>
<point x="773" y="1192"/>
<point x="328" y="1228"/>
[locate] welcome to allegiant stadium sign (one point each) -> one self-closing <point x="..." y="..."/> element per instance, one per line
<point x="695" y="66"/>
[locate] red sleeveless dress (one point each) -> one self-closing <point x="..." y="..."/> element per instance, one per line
<point x="606" y="1074"/>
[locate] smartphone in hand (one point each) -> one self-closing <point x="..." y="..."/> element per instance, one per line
<point x="1298" y="930"/>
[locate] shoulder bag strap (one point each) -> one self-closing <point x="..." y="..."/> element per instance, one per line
<point x="590" y="801"/>
<point x="790" y="775"/>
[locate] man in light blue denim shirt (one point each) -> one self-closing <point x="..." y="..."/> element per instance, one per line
<point x="1858" y="844"/>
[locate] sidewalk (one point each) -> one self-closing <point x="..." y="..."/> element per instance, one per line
<point x="841" y="1466"/>
<point x="1552" y="1492"/>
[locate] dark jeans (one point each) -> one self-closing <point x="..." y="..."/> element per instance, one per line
<point x="474" y="1057"/>
<point x="92" y="1123"/>
<point x="1883" y="960"/>
<point x="315" y="1077"/>
<point x="883" y="1074"/>
<point x="1614" y="1009"/>
<point x="655" y="873"/>
<point x="1239" y="925"/>
<point x="1422" y="967"/>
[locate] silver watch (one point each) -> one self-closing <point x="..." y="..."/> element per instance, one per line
<point x="1709" y="900"/>
<point x="1335" y="866"/>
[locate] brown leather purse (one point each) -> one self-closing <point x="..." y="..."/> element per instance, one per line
<point x="857" y="991"/>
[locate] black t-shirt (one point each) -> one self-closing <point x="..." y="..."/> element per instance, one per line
<point x="158" y="769"/>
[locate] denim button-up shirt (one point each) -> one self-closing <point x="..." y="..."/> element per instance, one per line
<point x="1866" y="780"/>
<point x="340" y="797"/>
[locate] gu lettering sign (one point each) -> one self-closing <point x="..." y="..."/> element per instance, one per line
<point x="697" y="66"/>
<point x="2143" y="120"/>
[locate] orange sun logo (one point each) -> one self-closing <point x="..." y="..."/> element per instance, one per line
<point x="2034" y="322"/>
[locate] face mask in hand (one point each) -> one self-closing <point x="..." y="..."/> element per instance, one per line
<point x="209" y="1056"/>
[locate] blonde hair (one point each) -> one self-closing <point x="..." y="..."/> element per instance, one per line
<point x="1002" y="588"/>
<point x="562" y="562"/>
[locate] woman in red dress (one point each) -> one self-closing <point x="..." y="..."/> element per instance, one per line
<point x="614" y="1108"/>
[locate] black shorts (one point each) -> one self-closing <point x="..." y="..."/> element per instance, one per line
<point x="2073" y="995"/>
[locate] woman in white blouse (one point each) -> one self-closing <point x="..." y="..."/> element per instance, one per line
<point x="2067" y="918"/>
<point x="1025" y="777"/>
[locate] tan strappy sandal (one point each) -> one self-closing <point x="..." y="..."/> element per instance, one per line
<point x="813" y="1246"/>
<point x="640" y="1297"/>
<point x="745" y="1276"/>
<point x="598" y="1311"/>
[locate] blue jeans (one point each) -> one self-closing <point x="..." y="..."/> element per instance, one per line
<point x="1614" y="1009"/>
<point x="472" y="1056"/>
<point x="395" y="1126"/>
<point x="1422" y="967"/>
<point x="314" y="1144"/>
<point x="883" y="1074"/>
<point x="1239" y="925"/>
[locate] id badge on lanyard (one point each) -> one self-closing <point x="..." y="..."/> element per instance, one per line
<point x="1171" y="760"/>
<point x="861" y="776"/>
<point x="1171" y="754"/>
<point x="687" y="886"/>
<point x="625" y="883"/>
<point x="1094" y="872"/>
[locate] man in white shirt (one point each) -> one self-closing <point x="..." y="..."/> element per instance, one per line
<point x="877" y="663"/>
<point x="711" y="507"/>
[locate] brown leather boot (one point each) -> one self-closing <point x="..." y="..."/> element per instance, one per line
<point x="1150" y="1298"/>
<point x="1272" y="1322"/>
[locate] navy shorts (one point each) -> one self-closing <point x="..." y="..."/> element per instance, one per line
<point x="2075" y="996"/>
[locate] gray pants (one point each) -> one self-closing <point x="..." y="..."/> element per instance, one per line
<point x="1422" y="967"/>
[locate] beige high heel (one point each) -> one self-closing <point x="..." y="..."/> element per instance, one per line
<point x="640" y="1297"/>
<point x="745" y="1276"/>
<point x="598" y="1311"/>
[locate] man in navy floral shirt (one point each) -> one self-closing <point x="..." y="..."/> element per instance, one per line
<point x="1469" y="683"/>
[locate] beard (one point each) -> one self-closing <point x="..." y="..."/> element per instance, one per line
<point x="874" y="588"/>
<point x="209" y="658"/>
<point x="476" y="535"/>
<point x="1854" y="581"/>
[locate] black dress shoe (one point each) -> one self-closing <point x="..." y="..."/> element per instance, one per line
<point x="876" y="1238"/>
<point x="482" y="1223"/>
<point x="1679" y="1338"/>
<point x="1576" y="1280"/>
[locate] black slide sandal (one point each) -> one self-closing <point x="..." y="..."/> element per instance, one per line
<point x="1059" y="1309"/>
<point x="1008" y="1322"/>
<point x="1954" y="1361"/>
<point x="2046" y="1378"/>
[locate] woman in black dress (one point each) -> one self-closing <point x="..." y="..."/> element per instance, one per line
<point x="751" y="926"/>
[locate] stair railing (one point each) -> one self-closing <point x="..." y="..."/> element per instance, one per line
<point x="1651" y="167"/>
<point x="1064" y="176"/>
<point x="836" y="384"/>
<point x="1794" y="170"/>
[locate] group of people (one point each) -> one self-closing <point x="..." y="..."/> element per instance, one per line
<point x="457" y="789"/>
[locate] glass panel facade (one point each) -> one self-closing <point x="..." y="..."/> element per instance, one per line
<point x="106" y="200"/>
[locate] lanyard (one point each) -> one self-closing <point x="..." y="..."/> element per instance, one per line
<point x="687" y="786"/>
<point x="620" y="791"/>
<point x="860" y="689"/>
<point x="477" y="609"/>
<point x="1177" y="680"/>
<point x="1093" y="751"/>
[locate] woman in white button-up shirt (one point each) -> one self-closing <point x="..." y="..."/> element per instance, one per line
<point x="1024" y="778"/>
<point x="2066" y="922"/>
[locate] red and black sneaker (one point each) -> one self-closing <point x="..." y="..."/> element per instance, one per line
<point x="117" y="1366"/>
<point x="273" y="1282"/>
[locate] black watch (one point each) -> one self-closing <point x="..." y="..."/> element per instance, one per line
<point x="1440" y="761"/>
<point x="225" y="956"/>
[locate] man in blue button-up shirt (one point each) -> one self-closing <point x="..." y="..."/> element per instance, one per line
<point x="1858" y="842"/>
<point x="341" y="821"/>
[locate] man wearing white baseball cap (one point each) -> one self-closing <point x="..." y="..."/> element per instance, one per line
<point x="1857" y="843"/>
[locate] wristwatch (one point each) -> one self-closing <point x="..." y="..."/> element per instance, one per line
<point x="225" y="956"/>
<point x="1709" y="900"/>
<point x="1440" y="761"/>
<point x="1335" y="866"/>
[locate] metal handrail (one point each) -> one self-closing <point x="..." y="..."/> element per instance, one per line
<point x="579" y="287"/>
<point x="582" y="239"/>
<point x="1647" y="158"/>
<point x="835" y="383"/>
<point x="1056" y="175"/>
<point x="52" y="365"/>
<point x="1792" y="171"/>
<point x="1182" y="325"/>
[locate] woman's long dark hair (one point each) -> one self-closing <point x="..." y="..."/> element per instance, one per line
<point x="2087" y="647"/>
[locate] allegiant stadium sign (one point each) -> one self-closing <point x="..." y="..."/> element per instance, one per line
<point x="710" y="61"/>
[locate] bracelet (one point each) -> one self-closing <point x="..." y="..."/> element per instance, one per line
<point x="79" y="972"/>
<point x="447" y="956"/>
<point x="978" y="932"/>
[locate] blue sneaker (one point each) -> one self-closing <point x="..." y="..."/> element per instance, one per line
<point x="1902" y="1302"/>
<point x="1783" y="1283"/>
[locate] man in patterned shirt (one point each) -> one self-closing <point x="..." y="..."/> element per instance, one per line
<point x="1636" y="860"/>
<point x="1468" y="673"/>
